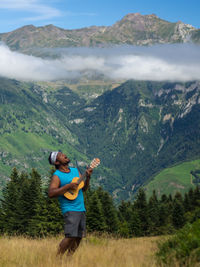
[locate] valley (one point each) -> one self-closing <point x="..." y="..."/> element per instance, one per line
<point x="137" y="129"/>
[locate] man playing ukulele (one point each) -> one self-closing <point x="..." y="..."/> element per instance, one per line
<point x="73" y="210"/>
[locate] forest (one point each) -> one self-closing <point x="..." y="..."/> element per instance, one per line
<point x="26" y="209"/>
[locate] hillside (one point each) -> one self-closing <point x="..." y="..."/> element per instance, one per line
<point x="30" y="128"/>
<point x="137" y="129"/>
<point x="176" y="178"/>
<point x="133" y="29"/>
<point x="140" y="128"/>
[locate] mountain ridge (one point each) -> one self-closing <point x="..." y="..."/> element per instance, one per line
<point x="132" y="29"/>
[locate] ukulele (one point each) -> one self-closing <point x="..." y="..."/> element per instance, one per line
<point x="73" y="193"/>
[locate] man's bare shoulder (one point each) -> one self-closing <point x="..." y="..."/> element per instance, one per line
<point x="55" y="181"/>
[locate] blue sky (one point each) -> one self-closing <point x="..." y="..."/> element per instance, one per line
<point x="72" y="14"/>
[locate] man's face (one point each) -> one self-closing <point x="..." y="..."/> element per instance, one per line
<point x="62" y="158"/>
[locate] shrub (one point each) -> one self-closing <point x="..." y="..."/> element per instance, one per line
<point x="183" y="248"/>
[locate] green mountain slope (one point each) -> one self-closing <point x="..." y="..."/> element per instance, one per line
<point x="177" y="178"/>
<point x="140" y="128"/>
<point x="29" y="130"/>
<point x="137" y="129"/>
<point x="34" y="120"/>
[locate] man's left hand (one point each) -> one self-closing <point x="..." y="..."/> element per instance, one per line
<point x="89" y="172"/>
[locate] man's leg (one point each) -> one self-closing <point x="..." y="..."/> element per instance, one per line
<point x="74" y="245"/>
<point x="65" y="244"/>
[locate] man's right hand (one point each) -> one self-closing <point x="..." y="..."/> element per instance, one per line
<point x="73" y="186"/>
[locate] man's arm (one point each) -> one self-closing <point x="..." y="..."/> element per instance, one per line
<point x="87" y="180"/>
<point x="55" y="190"/>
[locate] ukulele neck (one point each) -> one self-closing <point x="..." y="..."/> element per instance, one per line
<point x="82" y="178"/>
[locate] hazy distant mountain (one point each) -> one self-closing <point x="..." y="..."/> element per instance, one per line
<point x="135" y="29"/>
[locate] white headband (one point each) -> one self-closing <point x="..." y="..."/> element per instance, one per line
<point x="53" y="157"/>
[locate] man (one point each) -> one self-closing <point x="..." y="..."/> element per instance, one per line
<point x="73" y="210"/>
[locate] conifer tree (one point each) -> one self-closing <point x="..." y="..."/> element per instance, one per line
<point x="178" y="218"/>
<point x="23" y="204"/>
<point x="179" y="197"/>
<point x="109" y="211"/>
<point x="186" y="203"/>
<point x="2" y="216"/>
<point x="140" y="204"/>
<point x="95" y="217"/>
<point x="135" y="225"/>
<point x="196" y="196"/>
<point x="191" y="198"/>
<point x="124" y="211"/>
<point x="54" y="218"/>
<point x="38" y="223"/>
<point x="153" y="213"/>
<point x="164" y="211"/>
<point x="9" y="204"/>
<point x="38" y="220"/>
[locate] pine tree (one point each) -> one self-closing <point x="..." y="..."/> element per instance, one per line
<point x="54" y="218"/>
<point x="186" y="203"/>
<point x="38" y="226"/>
<point x="191" y="198"/>
<point x="124" y="211"/>
<point x="179" y="197"/>
<point x="196" y="196"/>
<point x="23" y="204"/>
<point x="178" y="218"/>
<point x="109" y="211"/>
<point x="38" y="220"/>
<point x="9" y="204"/>
<point x="95" y="217"/>
<point x="140" y="204"/>
<point x="164" y="211"/>
<point x="135" y="225"/>
<point x="153" y="214"/>
<point x="1" y="217"/>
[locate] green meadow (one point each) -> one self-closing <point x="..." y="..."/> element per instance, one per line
<point x="173" y="179"/>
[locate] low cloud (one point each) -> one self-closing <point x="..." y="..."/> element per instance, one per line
<point x="180" y="62"/>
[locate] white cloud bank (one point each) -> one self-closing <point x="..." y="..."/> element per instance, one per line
<point x="165" y="62"/>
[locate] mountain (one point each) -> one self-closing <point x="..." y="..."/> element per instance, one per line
<point x="134" y="29"/>
<point x="34" y="122"/>
<point x="137" y="129"/>
<point x="140" y="128"/>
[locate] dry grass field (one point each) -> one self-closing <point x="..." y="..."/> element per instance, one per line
<point x="93" y="252"/>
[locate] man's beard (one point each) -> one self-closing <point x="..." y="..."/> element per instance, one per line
<point x="67" y="162"/>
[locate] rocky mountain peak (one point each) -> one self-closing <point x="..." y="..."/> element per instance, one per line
<point x="134" y="17"/>
<point x="26" y="28"/>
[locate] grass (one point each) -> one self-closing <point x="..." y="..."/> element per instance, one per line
<point x="93" y="251"/>
<point x="171" y="180"/>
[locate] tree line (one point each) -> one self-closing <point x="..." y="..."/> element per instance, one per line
<point x="26" y="209"/>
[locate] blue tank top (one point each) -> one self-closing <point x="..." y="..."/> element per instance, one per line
<point x="65" y="204"/>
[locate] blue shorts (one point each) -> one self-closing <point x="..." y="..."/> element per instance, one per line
<point x="75" y="224"/>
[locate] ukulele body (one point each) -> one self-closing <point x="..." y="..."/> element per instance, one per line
<point x="73" y="193"/>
